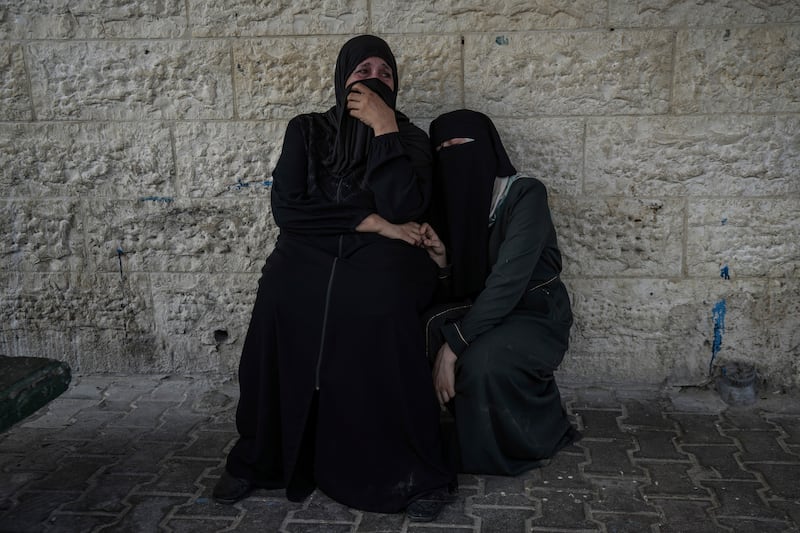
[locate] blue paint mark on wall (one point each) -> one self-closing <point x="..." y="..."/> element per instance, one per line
<point x="502" y="40"/>
<point x="163" y="199"/>
<point x="120" y="253"/>
<point x="719" y="328"/>
<point x="239" y="185"/>
<point x="724" y="272"/>
<point x="724" y="221"/>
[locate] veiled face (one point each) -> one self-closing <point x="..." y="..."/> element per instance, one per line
<point x="372" y="67"/>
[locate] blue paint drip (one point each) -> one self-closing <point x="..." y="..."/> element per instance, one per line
<point x="120" y="253"/>
<point x="163" y="199"/>
<point x="724" y="272"/>
<point x="719" y="329"/>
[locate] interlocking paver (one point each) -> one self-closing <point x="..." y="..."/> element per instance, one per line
<point x="70" y="523"/>
<point x="177" y="476"/>
<point x="621" y="496"/>
<point x="142" y="453"/>
<point x="761" y="445"/>
<point x="760" y="526"/>
<point x="72" y="474"/>
<point x="504" y="520"/>
<point x="672" y="479"/>
<point x="790" y="426"/>
<point x="687" y="516"/>
<point x="740" y="499"/>
<point x="599" y="424"/>
<point x="208" y="444"/>
<point x="656" y="444"/>
<point x="700" y="429"/>
<point x="646" y="414"/>
<point x="193" y="525"/>
<point x="107" y="493"/>
<point x="33" y="508"/>
<point x="145" y="513"/>
<point x="379" y="522"/>
<point x="564" y="472"/>
<point x="783" y="479"/>
<point x="627" y="523"/>
<point x="718" y="462"/>
<point x="610" y="457"/>
<point x="564" y="510"/>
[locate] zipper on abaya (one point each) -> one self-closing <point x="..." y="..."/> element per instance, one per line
<point x="325" y="315"/>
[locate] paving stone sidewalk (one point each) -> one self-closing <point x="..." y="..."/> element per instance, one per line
<point x="142" y="453"/>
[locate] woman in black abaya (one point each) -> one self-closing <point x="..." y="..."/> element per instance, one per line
<point x="335" y="391"/>
<point x="509" y="329"/>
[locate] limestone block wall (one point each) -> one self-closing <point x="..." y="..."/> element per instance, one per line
<point x="137" y="141"/>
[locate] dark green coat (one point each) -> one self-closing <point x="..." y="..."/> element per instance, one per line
<point x="507" y="406"/>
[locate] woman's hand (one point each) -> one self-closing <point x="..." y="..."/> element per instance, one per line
<point x="433" y="245"/>
<point x="368" y="107"/>
<point x="408" y="232"/>
<point x="444" y="374"/>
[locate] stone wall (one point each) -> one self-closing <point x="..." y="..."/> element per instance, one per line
<point x="137" y="140"/>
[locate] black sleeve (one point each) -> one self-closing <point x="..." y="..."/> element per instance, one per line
<point x="399" y="170"/>
<point x="292" y="207"/>
<point x="526" y="236"/>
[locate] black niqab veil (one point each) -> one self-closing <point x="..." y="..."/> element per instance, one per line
<point x="348" y="156"/>
<point x="464" y="177"/>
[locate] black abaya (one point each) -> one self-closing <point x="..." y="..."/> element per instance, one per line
<point x="335" y="388"/>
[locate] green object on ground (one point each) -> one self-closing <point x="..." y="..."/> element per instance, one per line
<point x="27" y="384"/>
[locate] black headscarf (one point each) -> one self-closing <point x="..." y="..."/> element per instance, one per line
<point x="463" y="181"/>
<point x="348" y="156"/>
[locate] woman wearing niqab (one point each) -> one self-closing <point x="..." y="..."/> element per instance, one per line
<point x="507" y="329"/>
<point x="335" y="390"/>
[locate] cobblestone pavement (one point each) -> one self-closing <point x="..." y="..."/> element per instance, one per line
<point x="141" y="454"/>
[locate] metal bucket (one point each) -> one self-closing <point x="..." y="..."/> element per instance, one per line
<point x="737" y="383"/>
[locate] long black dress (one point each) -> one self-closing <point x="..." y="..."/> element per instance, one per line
<point x="335" y="388"/>
<point x="508" y="411"/>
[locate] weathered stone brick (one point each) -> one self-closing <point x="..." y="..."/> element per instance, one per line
<point x="202" y="319"/>
<point x="547" y="149"/>
<point x="131" y="80"/>
<point x="97" y="159"/>
<point x="227" y="158"/>
<point x="172" y="235"/>
<point x="617" y="236"/>
<point x="781" y="364"/>
<point x="751" y="237"/>
<point x="15" y="100"/>
<point x="279" y="78"/>
<point x="41" y="235"/>
<point x="672" y="324"/>
<point x="450" y="16"/>
<point x="431" y="78"/>
<point x="744" y="69"/>
<point x="98" y="322"/>
<point x="693" y="156"/>
<point x="654" y="13"/>
<point x="286" y="17"/>
<point x="568" y="73"/>
<point x="90" y="19"/>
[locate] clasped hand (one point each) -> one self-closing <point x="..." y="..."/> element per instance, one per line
<point x="368" y="107"/>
